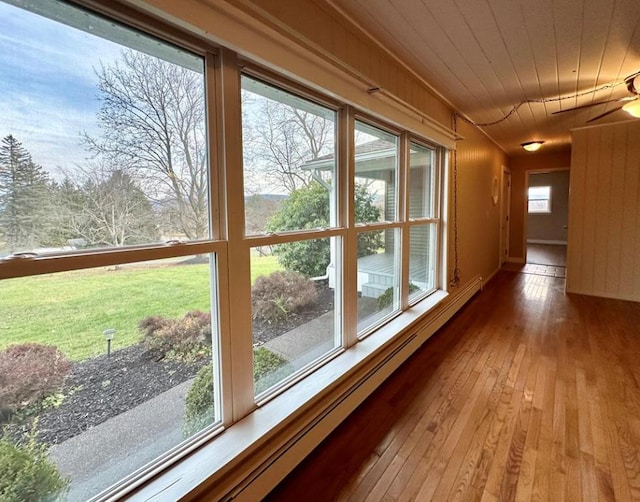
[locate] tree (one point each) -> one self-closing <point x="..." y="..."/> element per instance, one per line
<point x="152" y="118"/>
<point x="25" y="198"/>
<point x="258" y="210"/>
<point x="308" y="208"/>
<point x="107" y="209"/>
<point x="279" y="139"/>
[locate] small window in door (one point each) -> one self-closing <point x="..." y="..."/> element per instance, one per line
<point x="540" y="199"/>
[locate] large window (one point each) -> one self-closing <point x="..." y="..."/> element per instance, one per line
<point x="290" y="190"/>
<point x="108" y="336"/>
<point x="155" y="289"/>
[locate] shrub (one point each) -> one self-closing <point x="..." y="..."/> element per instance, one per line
<point x="386" y="299"/>
<point x="30" y="372"/>
<point x="277" y="295"/>
<point x="308" y="207"/>
<point x="199" y="401"/>
<point x="265" y="368"/>
<point x="181" y="338"/>
<point x="27" y="474"/>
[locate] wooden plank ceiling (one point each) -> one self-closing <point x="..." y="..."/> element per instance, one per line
<point x="486" y="56"/>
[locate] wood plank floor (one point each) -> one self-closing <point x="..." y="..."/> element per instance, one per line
<point x="547" y="254"/>
<point x="527" y="394"/>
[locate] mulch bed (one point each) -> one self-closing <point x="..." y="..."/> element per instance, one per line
<point x="104" y="387"/>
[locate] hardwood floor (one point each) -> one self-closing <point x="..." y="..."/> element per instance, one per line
<point x="547" y="254"/>
<point x="527" y="394"/>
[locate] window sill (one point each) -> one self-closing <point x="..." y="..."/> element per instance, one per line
<point x="226" y="464"/>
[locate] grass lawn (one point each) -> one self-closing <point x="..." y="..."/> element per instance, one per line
<point x="71" y="310"/>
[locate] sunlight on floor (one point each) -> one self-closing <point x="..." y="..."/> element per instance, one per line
<point x="536" y="287"/>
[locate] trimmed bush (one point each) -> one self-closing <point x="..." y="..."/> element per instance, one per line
<point x="267" y="368"/>
<point x="30" y="372"/>
<point x="281" y="293"/>
<point x="27" y="474"/>
<point x="183" y="338"/>
<point x="199" y="401"/>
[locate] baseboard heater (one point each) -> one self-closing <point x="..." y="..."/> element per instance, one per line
<point x="261" y="479"/>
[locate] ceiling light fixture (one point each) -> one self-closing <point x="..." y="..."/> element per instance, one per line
<point x="633" y="108"/>
<point x="532" y="146"/>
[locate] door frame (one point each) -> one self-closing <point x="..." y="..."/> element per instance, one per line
<point x="505" y="216"/>
<point x="526" y="200"/>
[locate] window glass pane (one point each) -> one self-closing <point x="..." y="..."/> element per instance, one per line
<point x="539" y="199"/>
<point x="422" y="259"/>
<point x="376" y="166"/>
<point x="294" y="314"/>
<point x="289" y="160"/>
<point x="104" y="408"/>
<point x="421" y="182"/>
<point x="102" y="138"/>
<point x="378" y="276"/>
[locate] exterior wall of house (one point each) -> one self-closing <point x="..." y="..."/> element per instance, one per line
<point x="311" y="27"/>
<point x="603" y="256"/>
<point x="519" y="166"/>
<point x="479" y="159"/>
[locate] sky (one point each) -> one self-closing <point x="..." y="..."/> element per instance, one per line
<point x="48" y="82"/>
<point x="48" y="91"/>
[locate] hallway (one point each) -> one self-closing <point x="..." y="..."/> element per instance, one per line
<point x="528" y="393"/>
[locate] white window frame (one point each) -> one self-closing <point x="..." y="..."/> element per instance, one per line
<point x="232" y="250"/>
<point x="545" y="199"/>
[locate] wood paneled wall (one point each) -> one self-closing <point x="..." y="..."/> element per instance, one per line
<point x="320" y="24"/>
<point x="479" y="162"/>
<point x="604" y="212"/>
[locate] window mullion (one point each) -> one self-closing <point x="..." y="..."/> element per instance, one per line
<point x="346" y="170"/>
<point x="403" y="206"/>
<point x="238" y="377"/>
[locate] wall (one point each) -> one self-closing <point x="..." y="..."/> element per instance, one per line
<point x="603" y="256"/>
<point x="519" y="166"/>
<point x="551" y="226"/>
<point x="318" y="24"/>
<point x="479" y="161"/>
<point x="308" y="42"/>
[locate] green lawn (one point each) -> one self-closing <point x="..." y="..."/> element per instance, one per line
<point x="70" y="310"/>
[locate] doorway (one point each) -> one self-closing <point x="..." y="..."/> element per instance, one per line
<point x="505" y="215"/>
<point x="547" y="218"/>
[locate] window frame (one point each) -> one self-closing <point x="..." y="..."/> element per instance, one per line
<point x="231" y="247"/>
<point x="547" y="200"/>
<point x="29" y="264"/>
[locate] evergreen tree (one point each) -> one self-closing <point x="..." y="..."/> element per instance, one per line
<point x="25" y="199"/>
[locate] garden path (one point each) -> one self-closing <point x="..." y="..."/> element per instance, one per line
<point x="108" y="452"/>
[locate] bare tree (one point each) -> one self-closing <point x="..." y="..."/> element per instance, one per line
<point x="106" y="208"/>
<point x="279" y="139"/>
<point x="152" y="118"/>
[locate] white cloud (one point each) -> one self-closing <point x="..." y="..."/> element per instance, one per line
<point x="48" y="86"/>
